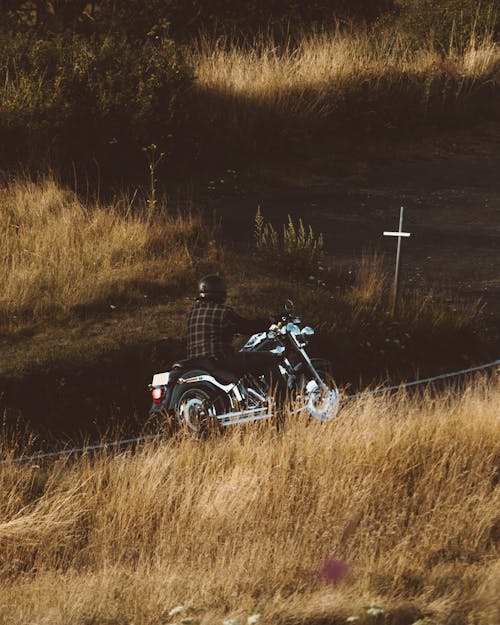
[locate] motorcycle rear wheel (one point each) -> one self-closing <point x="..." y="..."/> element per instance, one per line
<point x="197" y="408"/>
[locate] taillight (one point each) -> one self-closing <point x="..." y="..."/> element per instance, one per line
<point x="157" y="394"/>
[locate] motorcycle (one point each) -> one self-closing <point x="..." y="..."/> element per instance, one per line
<point x="197" y="394"/>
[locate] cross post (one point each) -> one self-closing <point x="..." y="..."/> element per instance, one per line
<point x="398" y="234"/>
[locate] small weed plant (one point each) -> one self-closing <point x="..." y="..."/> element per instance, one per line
<point x="298" y="250"/>
<point x="153" y="160"/>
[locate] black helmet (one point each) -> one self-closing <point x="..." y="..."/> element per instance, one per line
<point x="212" y="288"/>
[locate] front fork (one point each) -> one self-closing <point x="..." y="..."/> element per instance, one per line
<point x="309" y="363"/>
<point x="248" y="395"/>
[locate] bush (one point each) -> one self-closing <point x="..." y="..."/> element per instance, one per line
<point x="450" y="23"/>
<point x="182" y="19"/>
<point x="77" y="99"/>
<point x="298" y="251"/>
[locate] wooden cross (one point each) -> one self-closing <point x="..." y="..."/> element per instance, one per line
<point x="398" y="234"/>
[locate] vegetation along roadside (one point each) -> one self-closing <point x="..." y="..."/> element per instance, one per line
<point x="388" y="514"/>
<point x="94" y="297"/>
<point x="84" y="90"/>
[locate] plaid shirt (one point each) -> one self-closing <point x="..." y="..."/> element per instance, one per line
<point x="211" y="329"/>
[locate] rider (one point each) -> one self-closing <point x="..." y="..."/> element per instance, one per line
<point x="211" y="329"/>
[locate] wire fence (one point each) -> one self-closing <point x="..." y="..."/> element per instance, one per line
<point x="443" y="376"/>
<point x="149" y="437"/>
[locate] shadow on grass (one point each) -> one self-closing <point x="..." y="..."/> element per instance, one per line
<point x="243" y="130"/>
<point x="84" y="401"/>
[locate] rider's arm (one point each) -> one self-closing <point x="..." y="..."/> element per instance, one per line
<point x="241" y="325"/>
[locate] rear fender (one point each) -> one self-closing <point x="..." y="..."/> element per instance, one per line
<point x="164" y="405"/>
<point x="220" y="396"/>
<point x="175" y="389"/>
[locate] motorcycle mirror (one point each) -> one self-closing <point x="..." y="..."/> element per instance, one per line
<point x="289" y="306"/>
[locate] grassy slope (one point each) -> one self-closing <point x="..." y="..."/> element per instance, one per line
<point x="60" y="254"/>
<point x="405" y="492"/>
<point x="76" y="279"/>
<point x="93" y="302"/>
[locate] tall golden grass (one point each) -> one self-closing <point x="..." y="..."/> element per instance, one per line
<point x="57" y="252"/>
<point x="402" y="490"/>
<point x="319" y="73"/>
<point x="372" y="291"/>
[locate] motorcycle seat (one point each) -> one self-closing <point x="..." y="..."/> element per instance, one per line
<point x="208" y="365"/>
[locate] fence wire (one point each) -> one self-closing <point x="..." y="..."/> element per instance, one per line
<point x="149" y="437"/>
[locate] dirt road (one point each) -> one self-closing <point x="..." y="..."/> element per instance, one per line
<point x="452" y="209"/>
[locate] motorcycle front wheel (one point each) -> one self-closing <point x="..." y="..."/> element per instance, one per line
<point x="320" y="405"/>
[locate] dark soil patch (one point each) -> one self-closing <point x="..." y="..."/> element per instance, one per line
<point x="87" y="401"/>
<point x="452" y="209"/>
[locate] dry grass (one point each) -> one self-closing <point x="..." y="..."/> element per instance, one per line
<point x="404" y="491"/>
<point x="78" y="281"/>
<point x="315" y="77"/>
<point x="372" y="291"/>
<point x="57" y="253"/>
<point x="372" y="281"/>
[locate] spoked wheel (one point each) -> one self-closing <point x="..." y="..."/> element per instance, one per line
<point x="321" y="403"/>
<point x="197" y="410"/>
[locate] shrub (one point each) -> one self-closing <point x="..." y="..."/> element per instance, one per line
<point x="78" y="99"/>
<point x="450" y="23"/>
<point x="297" y="251"/>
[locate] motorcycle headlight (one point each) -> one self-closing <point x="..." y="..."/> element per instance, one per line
<point x="306" y="333"/>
